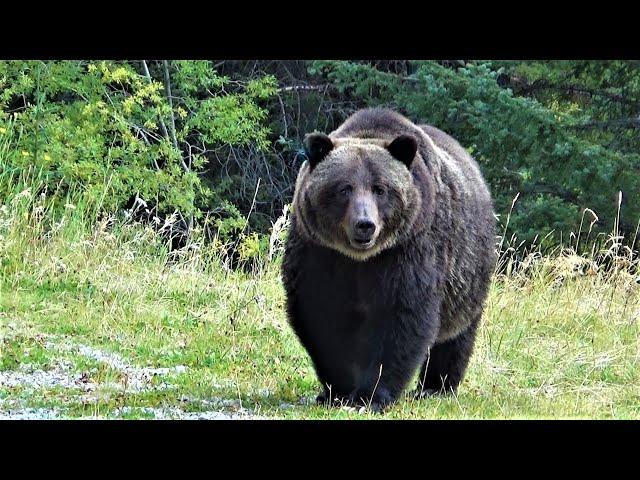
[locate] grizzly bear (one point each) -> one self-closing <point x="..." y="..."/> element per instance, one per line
<point x="388" y="258"/>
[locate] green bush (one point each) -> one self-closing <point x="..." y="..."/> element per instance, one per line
<point x="215" y="144"/>
<point x="114" y="131"/>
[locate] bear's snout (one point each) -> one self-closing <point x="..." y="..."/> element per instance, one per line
<point x="364" y="230"/>
<point x="363" y="233"/>
<point x="362" y="225"/>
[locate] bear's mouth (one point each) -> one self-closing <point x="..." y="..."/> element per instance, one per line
<point x="362" y="243"/>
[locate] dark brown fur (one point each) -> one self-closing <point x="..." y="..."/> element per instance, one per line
<point x="370" y="317"/>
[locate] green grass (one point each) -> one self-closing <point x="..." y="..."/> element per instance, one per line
<point x="543" y="351"/>
<point x="68" y="281"/>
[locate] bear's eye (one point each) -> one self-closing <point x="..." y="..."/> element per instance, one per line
<point x="378" y="190"/>
<point x="346" y="190"/>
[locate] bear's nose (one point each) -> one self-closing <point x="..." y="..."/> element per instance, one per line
<point x="365" y="228"/>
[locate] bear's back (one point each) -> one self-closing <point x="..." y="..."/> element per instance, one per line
<point x="471" y="233"/>
<point x="459" y="162"/>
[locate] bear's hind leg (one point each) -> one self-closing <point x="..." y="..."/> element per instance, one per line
<point x="446" y="363"/>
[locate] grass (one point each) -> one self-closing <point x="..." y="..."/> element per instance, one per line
<point x="553" y="343"/>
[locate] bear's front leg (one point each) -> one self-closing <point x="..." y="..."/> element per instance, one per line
<point x="405" y="348"/>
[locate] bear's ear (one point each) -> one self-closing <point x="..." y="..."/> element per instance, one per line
<point x="404" y="148"/>
<point x="316" y="147"/>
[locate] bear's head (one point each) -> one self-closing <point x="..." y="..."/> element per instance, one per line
<point x="357" y="195"/>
